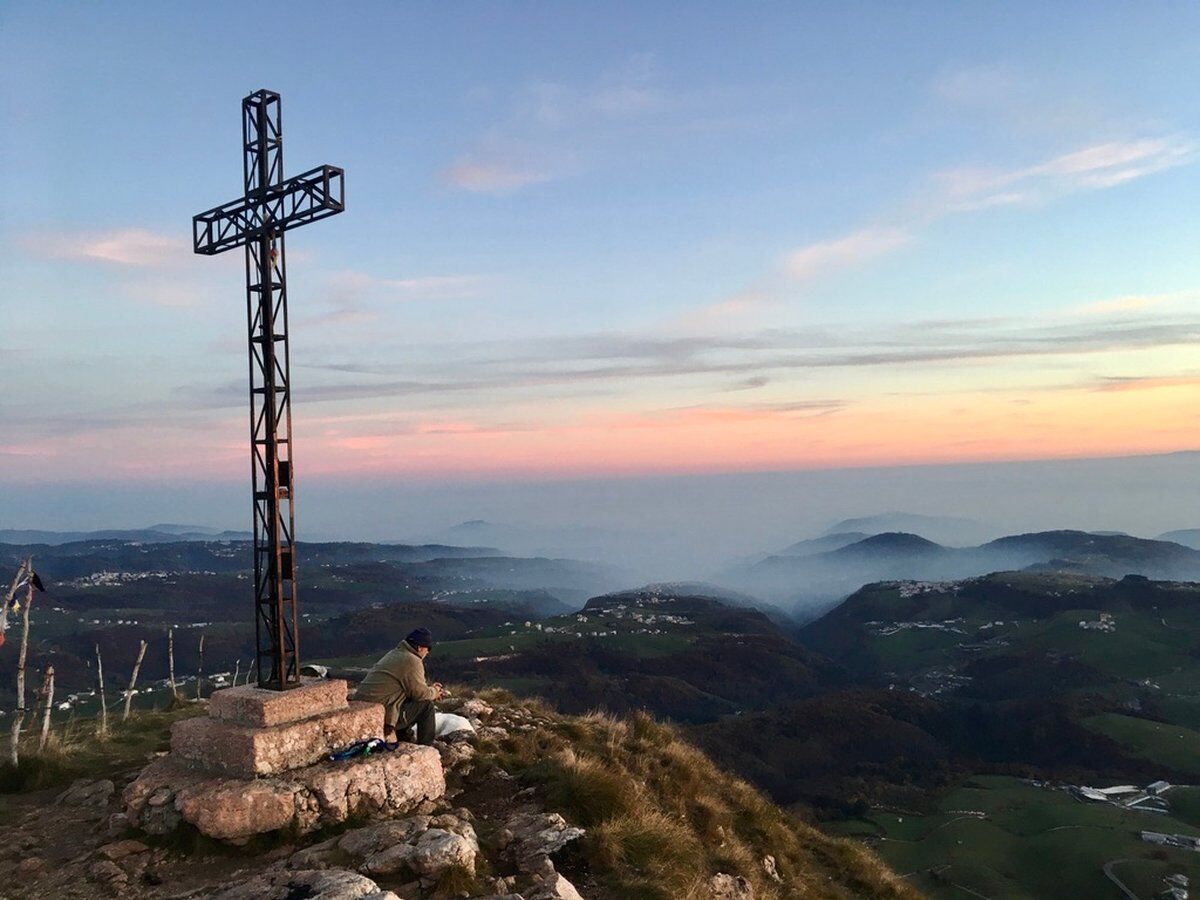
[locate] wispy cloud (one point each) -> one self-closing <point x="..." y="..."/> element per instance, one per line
<point x="151" y="268"/>
<point x="544" y="124"/>
<point x="352" y="298"/>
<point x="621" y="364"/>
<point x="422" y="287"/>
<point x="1124" y="383"/>
<point x="479" y="174"/>
<point x="985" y="85"/>
<point x="1090" y="168"/>
<point x="955" y="191"/>
<point x="1133" y="303"/>
<point x="839" y="253"/>
<point x="134" y="247"/>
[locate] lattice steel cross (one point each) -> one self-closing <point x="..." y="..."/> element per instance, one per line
<point x="257" y="221"/>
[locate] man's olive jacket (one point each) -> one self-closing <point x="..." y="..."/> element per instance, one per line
<point x="398" y="677"/>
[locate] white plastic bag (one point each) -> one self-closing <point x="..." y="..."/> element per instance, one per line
<point x="448" y="723"/>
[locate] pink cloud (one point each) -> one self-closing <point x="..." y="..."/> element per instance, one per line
<point x="134" y="247"/>
<point x="839" y="253"/>
<point x="486" y="176"/>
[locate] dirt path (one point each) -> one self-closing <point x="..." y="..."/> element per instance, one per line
<point x="1111" y="876"/>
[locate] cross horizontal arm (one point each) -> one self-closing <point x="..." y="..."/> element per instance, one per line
<point x="317" y="194"/>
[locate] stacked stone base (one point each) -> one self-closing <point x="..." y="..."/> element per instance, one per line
<point x="170" y="791"/>
<point x="259" y="764"/>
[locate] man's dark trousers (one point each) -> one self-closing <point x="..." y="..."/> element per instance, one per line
<point x="421" y="714"/>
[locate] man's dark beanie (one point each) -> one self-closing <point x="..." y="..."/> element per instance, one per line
<point x="420" y="637"/>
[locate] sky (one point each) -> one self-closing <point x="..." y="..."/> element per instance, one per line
<point x="600" y="242"/>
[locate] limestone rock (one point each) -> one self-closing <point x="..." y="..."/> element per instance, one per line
<point x="116" y="824"/>
<point x="457" y="755"/>
<point x="327" y="884"/>
<point x="730" y="887"/>
<point x="234" y="809"/>
<point x="229" y="811"/>
<point x="475" y="709"/>
<point x="554" y="887"/>
<point x="108" y="873"/>
<point x="83" y="792"/>
<point x="771" y="869"/>
<point x="325" y="855"/>
<point x="30" y="867"/>
<point x="118" y="850"/>
<point x="530" y="838"/>
<point x="421" y="845"/>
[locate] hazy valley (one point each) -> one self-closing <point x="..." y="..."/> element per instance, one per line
<point x="1015" y="670"/>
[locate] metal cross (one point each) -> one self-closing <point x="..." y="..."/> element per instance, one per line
<point x="257" y="221"/>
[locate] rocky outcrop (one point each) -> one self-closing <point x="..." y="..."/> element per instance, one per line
<point x="529" y="839"/>
<point x="423" y="847"/>
<point x="331" y="884"/>
<point x="169" y="792"/>
<point x="730" y="887"/>
<point x="83" y="792"/>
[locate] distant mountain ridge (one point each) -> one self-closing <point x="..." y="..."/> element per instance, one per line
<point x="820" y="579"/>
<point x="1189" y="537"/>
<point x="953" y="530"/>
<point x="156" y="534"/>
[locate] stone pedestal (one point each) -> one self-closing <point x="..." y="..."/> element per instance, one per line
<point x="250" y="731"/>
<point x="259" y="762"/>
<point x="258" y="708"/>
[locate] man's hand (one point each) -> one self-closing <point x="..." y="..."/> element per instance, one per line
<point x="439" y="689"/>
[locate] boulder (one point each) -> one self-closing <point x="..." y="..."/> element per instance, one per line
<point x="554" y="887"/>
<point x="530" y="838"/>
<point x="457" y="755"/>
<point x="475" y="709"/>
<point x="108" y="873"/>
<point x="84" y="792"/>
<point x="118" y="850"/>
<point x="771" y="869"/>
<point x="730" y="887"/>
<point x="422" y="845"/>
<point x="324" y="884"/>
<point x="233" y="809"/>
<point x="30" y="868"/>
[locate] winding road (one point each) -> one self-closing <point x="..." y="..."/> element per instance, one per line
<point x="1111" y="876"/>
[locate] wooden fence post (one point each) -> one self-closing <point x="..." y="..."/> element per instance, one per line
<point x="19" y="716"/>
<point x="200" y="670"/>
<point x="171" y="661"/>
<point x="133" y="681"/>
<point x="48" y="699"/>
<point x="103" y="729"/>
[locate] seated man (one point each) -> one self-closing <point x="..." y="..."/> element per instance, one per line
<point x="398" y="682"/>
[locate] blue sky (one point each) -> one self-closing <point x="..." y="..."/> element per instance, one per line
<point x="608" y="238"/>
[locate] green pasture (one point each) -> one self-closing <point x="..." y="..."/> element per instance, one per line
<point x="1170" y="745"/>
<point x="1031" y="843"/>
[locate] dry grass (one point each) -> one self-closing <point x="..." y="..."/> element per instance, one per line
<point x="73" y="750"/>
<point x="662" y="818"/>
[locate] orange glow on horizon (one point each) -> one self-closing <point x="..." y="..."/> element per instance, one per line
<point x="1155" y="416"/>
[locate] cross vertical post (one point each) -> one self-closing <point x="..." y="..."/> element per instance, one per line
<point x="257" y="221"/>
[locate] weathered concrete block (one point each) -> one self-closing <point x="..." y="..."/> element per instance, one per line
<point x="225" y="746"/>
<point x="250" y="705"/>
<point x="382" y="785"/>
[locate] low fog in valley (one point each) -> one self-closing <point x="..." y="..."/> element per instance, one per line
<point x="695" y="527"/>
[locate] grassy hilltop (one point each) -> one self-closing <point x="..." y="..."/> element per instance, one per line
<point x="661" y="818"/>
